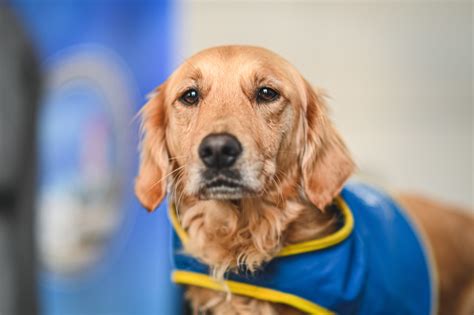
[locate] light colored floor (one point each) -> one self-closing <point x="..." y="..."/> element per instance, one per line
<point x="399" y="74"/>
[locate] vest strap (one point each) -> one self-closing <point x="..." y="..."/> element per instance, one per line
<point x="238" y="288"/>
<point x="293" y="249"/>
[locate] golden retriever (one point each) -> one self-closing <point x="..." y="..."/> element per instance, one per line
<point x="279" y="164"/>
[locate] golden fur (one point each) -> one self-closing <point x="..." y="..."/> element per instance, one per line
<point x="293" y="164"/>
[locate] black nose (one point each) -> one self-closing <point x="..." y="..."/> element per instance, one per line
<point x="219" y="150"/>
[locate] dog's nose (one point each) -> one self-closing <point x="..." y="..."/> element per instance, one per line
<point x="219" y="150"/>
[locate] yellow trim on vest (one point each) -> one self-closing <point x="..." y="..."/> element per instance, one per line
<point x="326" y="241"/>
<point x="261" y="293"/>
<point x="303" y="247"/>
<point x="173" y="214"/>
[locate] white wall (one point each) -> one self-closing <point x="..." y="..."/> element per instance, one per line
<point x="399" y="74"/>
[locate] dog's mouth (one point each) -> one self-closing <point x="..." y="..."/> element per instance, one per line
<point x="222" y="185"/>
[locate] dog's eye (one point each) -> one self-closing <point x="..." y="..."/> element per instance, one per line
<point x="267" y="95"/>
<point x="190" y="97"/>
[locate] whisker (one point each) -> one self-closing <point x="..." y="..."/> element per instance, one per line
<point x="178" y="203"/>
<point x="165" y="177"/>
<point x="178" y="157"/>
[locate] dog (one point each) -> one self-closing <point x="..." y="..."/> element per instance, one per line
<point x="252" y="165"/>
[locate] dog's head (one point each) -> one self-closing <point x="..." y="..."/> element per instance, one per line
<point x="229" y="122"/>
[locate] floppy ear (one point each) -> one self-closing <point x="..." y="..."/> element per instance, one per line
<point x="150" y="184"/>
<point x="326" y="163"/>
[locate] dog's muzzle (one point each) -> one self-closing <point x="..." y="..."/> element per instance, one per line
<point x="219" y="152"/>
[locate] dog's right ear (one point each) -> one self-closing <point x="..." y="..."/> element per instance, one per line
<point x="326" y="162"/>
<point x="150" y="184"/>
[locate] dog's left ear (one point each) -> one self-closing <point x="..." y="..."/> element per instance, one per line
<point x="150" y="184"/>
<point x="326" y="163"/>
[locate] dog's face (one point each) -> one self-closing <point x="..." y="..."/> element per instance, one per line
<point x="230" y="113"/>
<point x="232" y="119"/>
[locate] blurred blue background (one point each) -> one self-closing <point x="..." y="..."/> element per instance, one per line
<point x="100" y="252"/>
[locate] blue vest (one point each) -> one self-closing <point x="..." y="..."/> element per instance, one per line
<point x="375" y="263"/>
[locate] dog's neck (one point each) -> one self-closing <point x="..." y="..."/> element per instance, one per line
<point x="228" y="235"/>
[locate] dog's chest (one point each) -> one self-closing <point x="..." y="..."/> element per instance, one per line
<point x="377" y="264"/>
